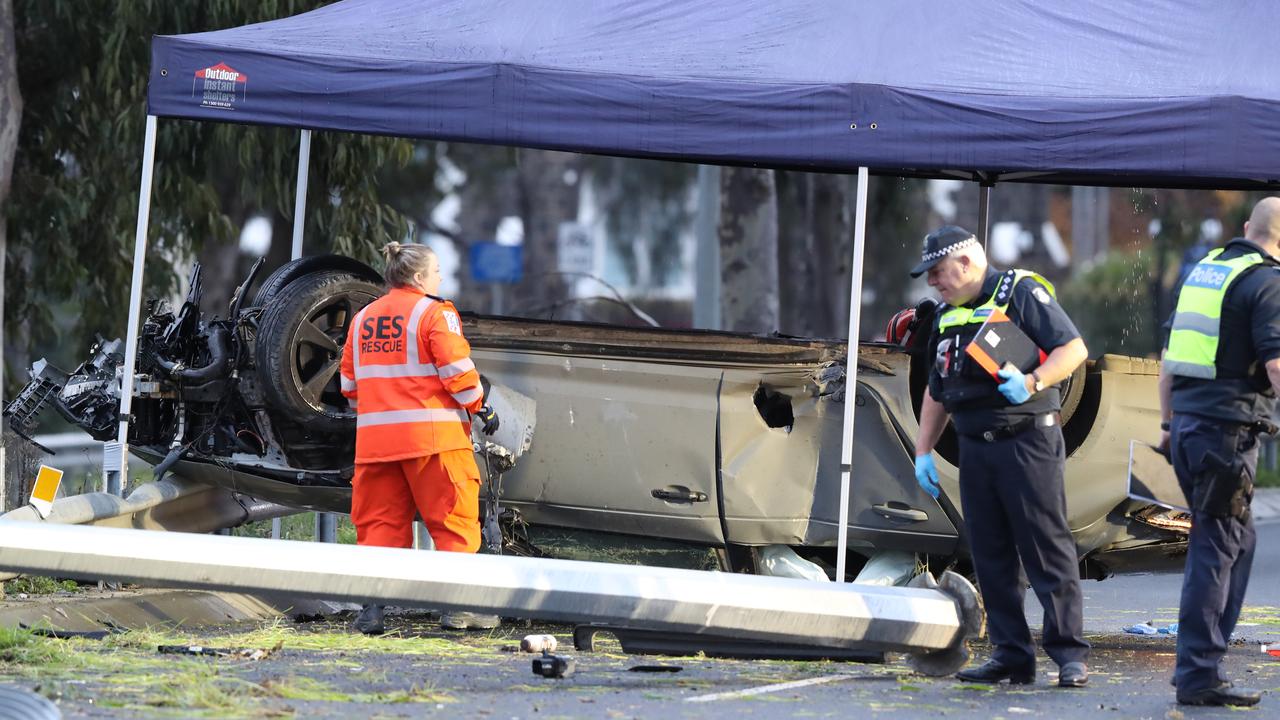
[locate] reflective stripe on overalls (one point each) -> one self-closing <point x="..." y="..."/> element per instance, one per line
<point x="999" y="300"/>
<point x="1193" y="341"/>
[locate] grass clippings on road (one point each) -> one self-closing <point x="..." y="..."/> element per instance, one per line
<point x="329" y="666"/>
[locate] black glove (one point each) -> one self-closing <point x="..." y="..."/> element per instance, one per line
<point x="484" y="386"/>
<point x="489" y="417"/>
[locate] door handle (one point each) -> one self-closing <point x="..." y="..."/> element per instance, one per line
<point x="900" y="511"/>
<point x="680" y="494"/>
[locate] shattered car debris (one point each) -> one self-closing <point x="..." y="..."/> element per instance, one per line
<point x="714" y="439"/>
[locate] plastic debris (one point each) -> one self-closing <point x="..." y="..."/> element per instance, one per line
<point x="240" y="653"/>
<point x="782" y="561"/>
<point x="1145" y="628"/>
<point x="1272" y="650"/>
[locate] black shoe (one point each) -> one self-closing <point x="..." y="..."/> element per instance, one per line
<point x="993" y="671"/>
<point x="1073" y="674"/>
<point x="1223" y="694"/>
<point x="370" y="620"/>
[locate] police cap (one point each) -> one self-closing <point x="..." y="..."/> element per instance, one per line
<point x="941" y="243"/>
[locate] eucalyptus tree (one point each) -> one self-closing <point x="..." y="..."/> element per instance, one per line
<point x="83" y="66"/>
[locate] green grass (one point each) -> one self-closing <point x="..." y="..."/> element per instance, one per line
<point x="1267" y="478"/>
<point x="38" y="585"/>
<point x="298" y="527"/>
<point x="129" y="674"/>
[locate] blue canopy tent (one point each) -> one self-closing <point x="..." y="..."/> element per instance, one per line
<point x="1166" y="93"/>
<point x="1159" y="93"/>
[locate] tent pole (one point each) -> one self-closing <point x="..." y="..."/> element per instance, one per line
<point x="300" y="199"/>
<point x="851" y="369"/>
<point x="115" y="456"/>
<point x="984" y="212"/>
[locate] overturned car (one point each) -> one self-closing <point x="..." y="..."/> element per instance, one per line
<point x="712" y="439"/>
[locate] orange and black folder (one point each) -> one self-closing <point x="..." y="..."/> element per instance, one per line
<point x="1000" y="342"/>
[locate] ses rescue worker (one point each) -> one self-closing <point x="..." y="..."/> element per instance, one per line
<point x="1011" y="455"/>
<point x="407" y="371"/>
<point x="1218" y="386"/>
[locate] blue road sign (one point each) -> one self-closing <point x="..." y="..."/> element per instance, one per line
<point x="494" y="263"/>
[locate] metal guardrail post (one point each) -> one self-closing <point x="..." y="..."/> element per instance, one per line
<point x="326" y="527"/>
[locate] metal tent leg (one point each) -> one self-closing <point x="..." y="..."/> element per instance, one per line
<point x="115" y="456"/>
<point x="300" y="198"/>
<point x="851" y="369"/>
<point x="984" y="213"/>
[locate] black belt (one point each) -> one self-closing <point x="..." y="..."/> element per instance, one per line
<point x="1014" y="429"/>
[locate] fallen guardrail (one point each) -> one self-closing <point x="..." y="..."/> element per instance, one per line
<point x="931" y="621"/>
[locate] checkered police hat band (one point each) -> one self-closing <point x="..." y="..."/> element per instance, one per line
<point x="971" y="240"/>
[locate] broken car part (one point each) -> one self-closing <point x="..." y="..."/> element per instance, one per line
<point x="553" y="666"/>
<point x="656" y="642"/>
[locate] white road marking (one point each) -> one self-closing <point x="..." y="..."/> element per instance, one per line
<point x="779" y="687"/>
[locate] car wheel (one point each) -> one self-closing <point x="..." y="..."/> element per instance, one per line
<point x="1072" y="391"/>
<point x="294" y="269"/>
<point x="301" y="335"/>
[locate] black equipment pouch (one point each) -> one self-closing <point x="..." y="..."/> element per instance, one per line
<point x="1226" y="488"/>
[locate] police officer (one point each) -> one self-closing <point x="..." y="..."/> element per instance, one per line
<point x="1011" y="455"/>
<point x="1218" y="388"/>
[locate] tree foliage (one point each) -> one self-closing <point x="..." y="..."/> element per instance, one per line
<point x="83" y="67"/>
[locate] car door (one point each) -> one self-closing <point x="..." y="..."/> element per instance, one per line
<point x="621" y="445"/>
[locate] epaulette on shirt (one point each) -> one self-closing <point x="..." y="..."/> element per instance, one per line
<point x="1004" y="290"/>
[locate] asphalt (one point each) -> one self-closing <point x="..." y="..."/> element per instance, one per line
<point x="1266" y="504"/>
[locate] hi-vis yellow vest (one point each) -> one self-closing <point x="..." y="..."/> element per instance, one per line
<point x="1193" y="341"/>
<point x="999" y="300"/>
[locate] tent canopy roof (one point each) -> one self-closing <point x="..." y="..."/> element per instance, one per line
<point x="1167" y="93"/>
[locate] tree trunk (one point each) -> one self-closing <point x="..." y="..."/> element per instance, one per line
<point x="832" y="255"/>
<point x="896" y="223"/>
<point x="796" y="252"/>
<point x="10" y="120"/>
<point x="748" y="235"/>
<point x="548" y="184"/>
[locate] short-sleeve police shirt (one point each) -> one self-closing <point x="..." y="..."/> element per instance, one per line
<point x="1248" y="337"/>
<point x="1035" y="311"/>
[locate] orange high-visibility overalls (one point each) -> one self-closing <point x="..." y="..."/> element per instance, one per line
<point x="407" y="371"/>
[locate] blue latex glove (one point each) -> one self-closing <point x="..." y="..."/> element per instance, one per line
<point x="1014" y="387"/>
<point x="927" y="474"/>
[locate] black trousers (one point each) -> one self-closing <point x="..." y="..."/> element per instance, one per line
<point x="1220" y="553"/>
<point x="1015" y="511"/>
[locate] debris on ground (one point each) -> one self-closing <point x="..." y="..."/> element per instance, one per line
<point x="57" y="634"/>
<point x="1147" y="628"/>
<point x="553" y="666"/>
<point x="239" y="653"/>
<point x="538" y="643"/>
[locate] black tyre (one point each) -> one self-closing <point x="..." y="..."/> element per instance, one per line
<point x="295" y="269"/>
<point x="300" y="338"/>
<point x="1072" y="391"/>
